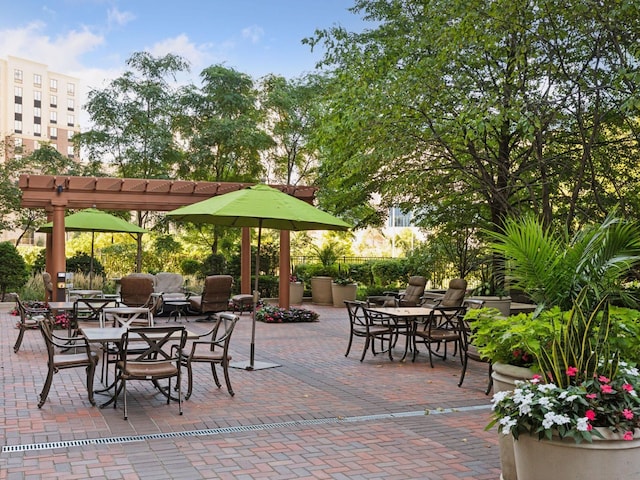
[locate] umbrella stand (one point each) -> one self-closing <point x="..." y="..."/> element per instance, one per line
<point x="252" y="364"/>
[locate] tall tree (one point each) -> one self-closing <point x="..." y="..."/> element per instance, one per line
<point x="219" y="127"/>
<point x="507" y="104"/>
<point x="291" y="112"/>
<point x="132" y="121"/>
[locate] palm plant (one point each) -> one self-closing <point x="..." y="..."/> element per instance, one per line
<point x="553" y="268"/>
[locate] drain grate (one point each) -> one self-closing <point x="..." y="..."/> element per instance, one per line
<point x="235" y="429"/>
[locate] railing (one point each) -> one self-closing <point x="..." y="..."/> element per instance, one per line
<point x="301" y="259"/>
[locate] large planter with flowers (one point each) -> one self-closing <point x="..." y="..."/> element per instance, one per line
<point x="608" y="457"/>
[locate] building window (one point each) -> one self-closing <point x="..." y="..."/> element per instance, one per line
<point x="36" y="145"/>
<point x="53" y="133"/>
<point x="17" y="108"/>
<point x="71" y="120"/>
<point x="53" y="84"/>
<point x="70" y="134"/>
<point x="37" y="95"/>
<point x="17" y="75"/>
<point x="37" y="112"/>
<point x="17" y="116"/>
<point x="53" y="101"/>
<point x="71" y="104"/>
<point x="37" y="129"/>
<point x="54" y="146"/>
<point x="17" y="92"/>
<point x="17" y="142"/>
<point x="17" y="126"/>
<point x="37" y="80"/>
<point x="71" y="88"/>
<point x="53" y="117"/>
<point x="70" y="151"/>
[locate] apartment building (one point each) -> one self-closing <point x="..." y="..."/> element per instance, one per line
<point x="36" y="106"/>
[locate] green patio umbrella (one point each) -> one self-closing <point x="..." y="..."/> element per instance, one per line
<point x="263" y="207"/>
<point x="94" y="220"/>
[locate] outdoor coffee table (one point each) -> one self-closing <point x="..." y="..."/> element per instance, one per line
<point x="180" y="308"/>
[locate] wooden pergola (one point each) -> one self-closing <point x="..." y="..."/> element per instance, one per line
<point x="57" y="194"/>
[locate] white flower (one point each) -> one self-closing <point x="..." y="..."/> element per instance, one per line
<point x="583" y="424"/>
<point x="551" y="419"/>
<point x="547" y="387"/>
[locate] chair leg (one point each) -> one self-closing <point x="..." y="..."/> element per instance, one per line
<point x="16" y="347"/>
<point x="225" y="370"/>
<point x="124" y="392"/>
<point x="349" y="345"/>
<point x="189" y="381"/>
<point x="464" y="370"/>
<point x="366" y="347"/>
<point x="91" y="370"/>
<point x="490" y="386"/>
<point x="214" y="374"/>
<point x="45" y="390"/>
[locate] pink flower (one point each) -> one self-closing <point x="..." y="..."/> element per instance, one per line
<point x="589" y="427"/>
<point x="628" y="414"/>
<point x="627" y="387"/>
<point x="603" y="379"/>
<point x="606" y="389"/>
<point x="628" y="435"/>
<point x="536" y="378"/>
<point x="571" y="371"/>
<point x="591" y="396"/>
<point x="590" y="414"/>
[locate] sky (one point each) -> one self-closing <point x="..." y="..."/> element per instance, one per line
<point x="92" y="39"/>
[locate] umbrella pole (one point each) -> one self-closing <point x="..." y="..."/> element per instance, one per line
<point x="255" y="301"/>
<point x="91" y="263"/>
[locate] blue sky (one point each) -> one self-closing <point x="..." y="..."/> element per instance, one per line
<point x="91" y="39"/>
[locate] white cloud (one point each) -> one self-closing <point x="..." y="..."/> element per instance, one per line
<point x="198" y="56"/>
<point x="61" y="53"/>
<point x="254" y="33"/>
<point x="118" y="18"/>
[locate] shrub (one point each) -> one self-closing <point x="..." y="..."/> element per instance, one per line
<point x="273" y="314"/>
<point x="13" y="269"/>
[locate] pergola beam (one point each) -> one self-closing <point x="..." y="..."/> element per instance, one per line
<point x="56" y="194"/>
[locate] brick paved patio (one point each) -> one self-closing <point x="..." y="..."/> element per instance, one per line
<point x="319" y="415"/>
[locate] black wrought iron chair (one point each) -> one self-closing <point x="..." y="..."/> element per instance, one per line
<point x="83" y="357"/>
<point x="441" y="327"/>
<point x="214" y="351"/>
<point x="362" y="324"/>
<point x="159" y="361"/>
<point x="29" y="318"/>
<point x="468" y="350"/>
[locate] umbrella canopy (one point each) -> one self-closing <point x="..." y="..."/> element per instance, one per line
<point x="263" y="207"/>
<point x="259" y="205"/>
<point x="94" y="220"/>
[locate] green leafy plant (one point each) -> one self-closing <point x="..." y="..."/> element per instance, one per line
<point x="343" y="277"/>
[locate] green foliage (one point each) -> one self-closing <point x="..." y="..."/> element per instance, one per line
<point x="190" y="266"/>
<point x="273" y="314"/>
<point x="328" y="253"/>
<point x="214" y="264"/>
<point x="81" y="262"/>
<point x="554" y="269"/>
<point x="13" y="269"/>
<point x="510" y="340"/>
<point x="390" y="272"/>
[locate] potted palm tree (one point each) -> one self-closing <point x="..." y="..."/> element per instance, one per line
<point x="343" y="287"/>
<point x="579" y="327"/>
<point x="328" y="255"/>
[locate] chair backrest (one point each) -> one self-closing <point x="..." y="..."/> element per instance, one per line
<point x="454" y="295"/>
<point x="30" y="313"/>
<point x="216" y="293"/>
<point x="91" y="309"/>
<point x="168" y="282"/>
<point x="136" y="289"/>
<point x="48" y="287"/>
<point x="161" y="343"/>
<point x="414" y="290"/>
<point x="222" y="331"/>
<point x="130" y="317"/>
<point x="357" y="316"/>
<point x="47" y="334"/>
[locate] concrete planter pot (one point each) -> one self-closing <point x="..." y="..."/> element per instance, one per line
<point x="340" y="293"/>
<point x="321" y="291"/>
<point x="611" y="457"/>
<point x="504" y="378"/>
<point x="501" y="303"/>
<point x="296" y="291"/>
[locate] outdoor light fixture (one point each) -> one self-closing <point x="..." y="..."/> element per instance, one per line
<point x="59" y="189"/>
